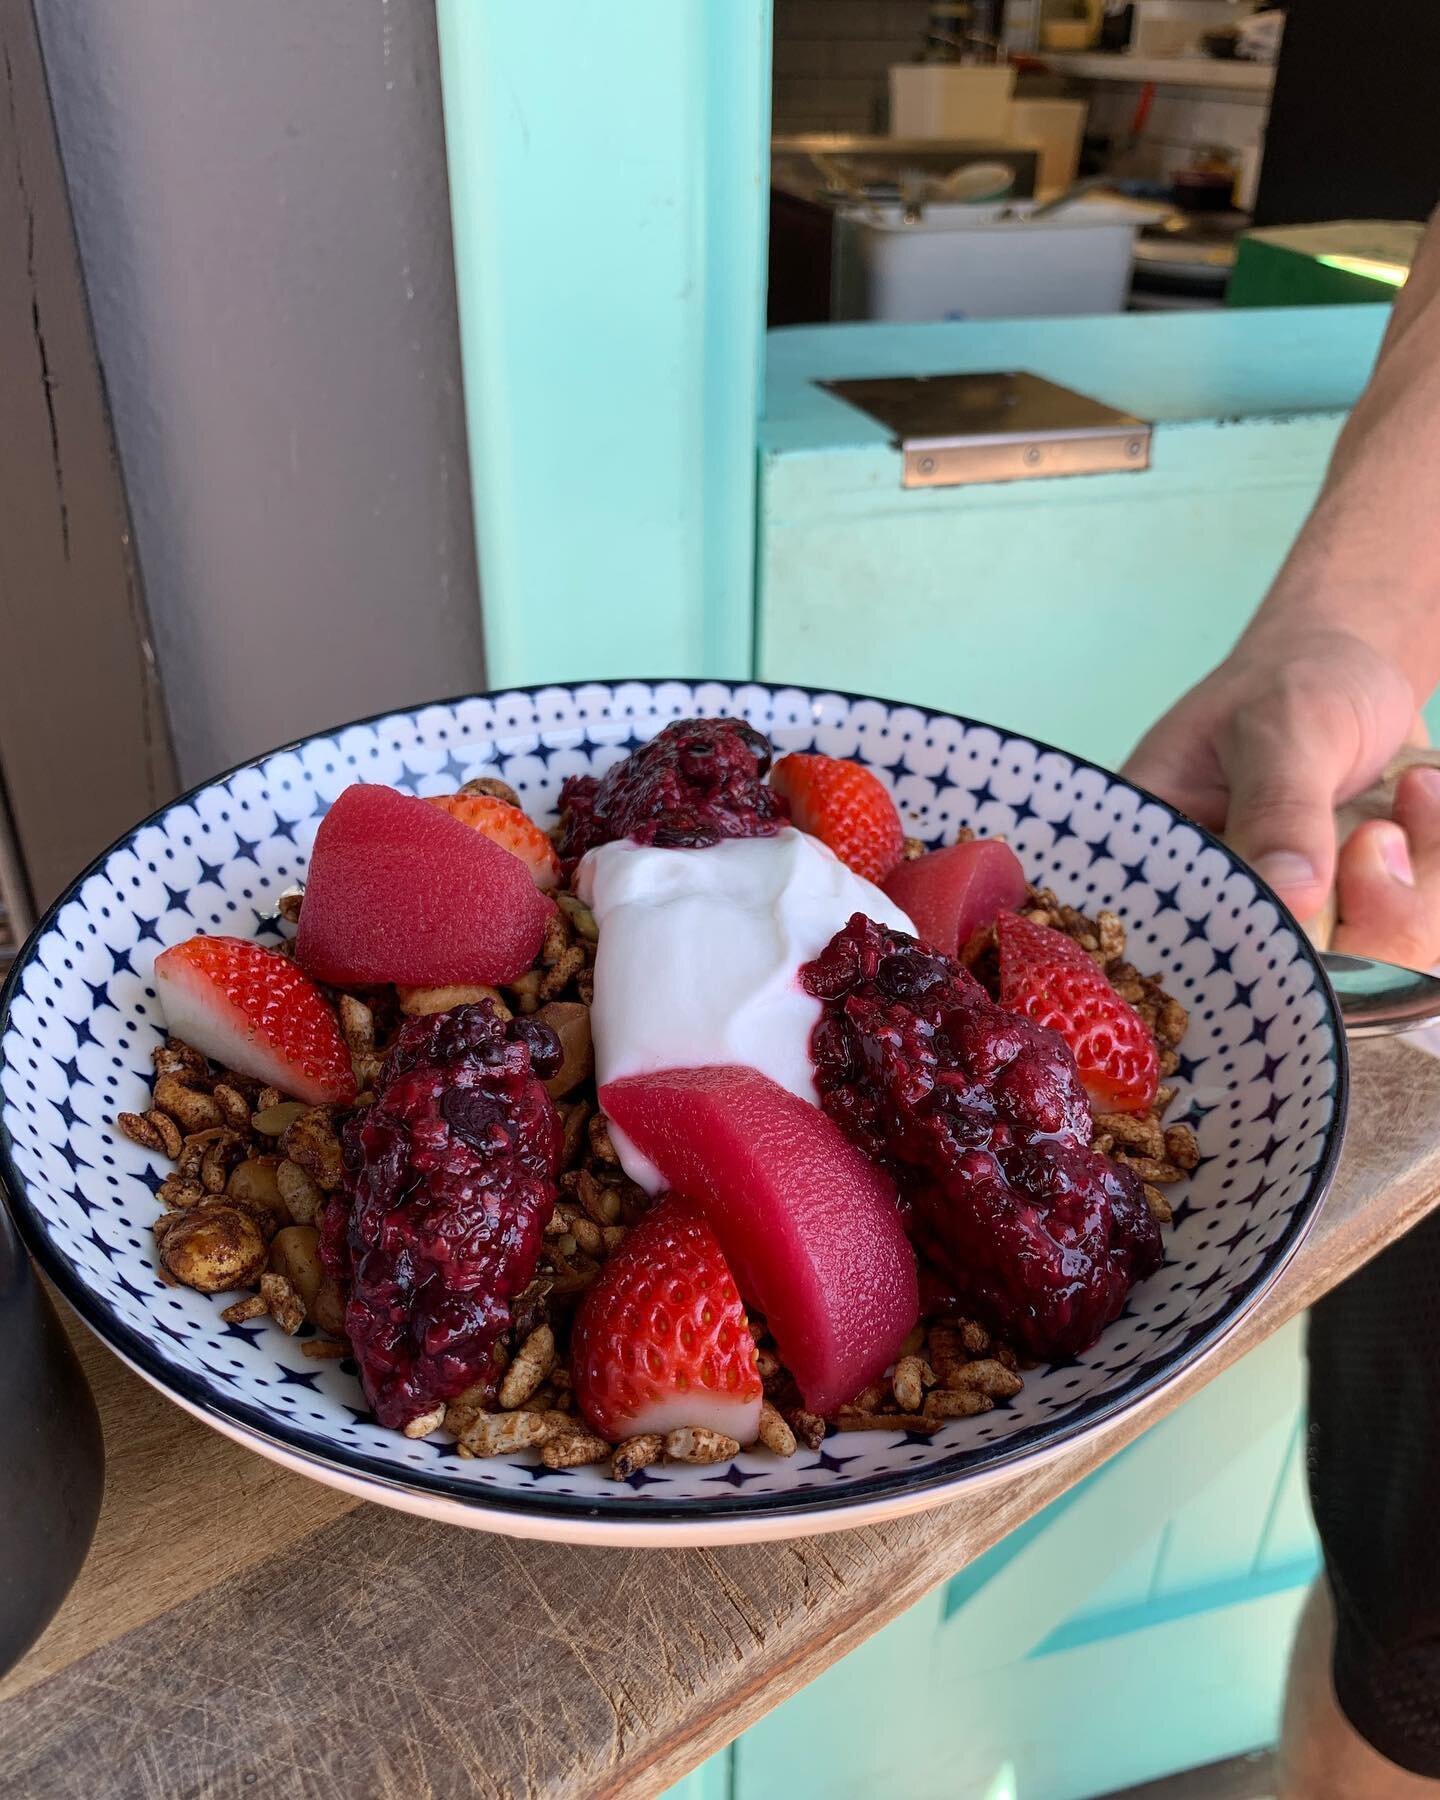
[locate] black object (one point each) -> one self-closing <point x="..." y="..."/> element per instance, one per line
<point x="1347" y="137"/>
<point x="52" y="1458"/>
<point x="1374" y="1462"/>
<point x="801" y="247"/>
<point x="1117" y="27"/>
<point x="1204" y="190"/>
<point x="1222" y="44"/>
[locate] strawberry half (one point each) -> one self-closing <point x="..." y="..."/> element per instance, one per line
<point x="1050" y="979"/>
<point x="846" y="807"/>
<point x="508" y="827"/>
<point x="660" y="1340"/>
<point x="252" y="1010"/>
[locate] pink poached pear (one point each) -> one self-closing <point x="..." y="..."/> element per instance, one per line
<point x="807" y="1223"/>
<point x="400" y="891"/>
<point x="952" y="893"/>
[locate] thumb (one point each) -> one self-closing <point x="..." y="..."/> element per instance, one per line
<point x="1281" y="817"/>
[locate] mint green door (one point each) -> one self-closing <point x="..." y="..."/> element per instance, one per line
<point x="1136" y="1627"/>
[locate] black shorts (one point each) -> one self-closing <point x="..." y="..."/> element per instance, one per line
<point x="1374" y="1457"/>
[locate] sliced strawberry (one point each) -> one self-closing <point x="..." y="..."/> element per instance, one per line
<point x="660" y="1340"/>
<point x="846" y="807"/>
<point x="1050" y="979"/>
<point x="252" y="1010"/>
<point x="508" y="827"/>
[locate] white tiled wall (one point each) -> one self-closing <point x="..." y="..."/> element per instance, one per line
<point x="831" y="57"/>
<point x="1180" y="122"/>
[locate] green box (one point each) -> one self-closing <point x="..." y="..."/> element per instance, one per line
<point x="1347" y="263"/>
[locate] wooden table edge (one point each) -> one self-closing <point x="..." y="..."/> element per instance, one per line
<point x="1389" y="1178"/>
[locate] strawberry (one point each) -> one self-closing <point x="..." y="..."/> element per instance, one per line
<point x="252" y="1010"/>
<point x="660" y="1340"/>
<point x="1050" y="979"/>
<point x="846" y="807"/>
<point x="508" y="827"/>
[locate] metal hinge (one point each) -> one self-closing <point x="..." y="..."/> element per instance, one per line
<point x="956" y="429"/>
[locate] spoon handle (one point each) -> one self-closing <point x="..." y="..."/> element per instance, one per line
<point x="1379" y="999"/>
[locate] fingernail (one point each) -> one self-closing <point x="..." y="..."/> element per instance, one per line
<point x="1395" y="853"/>
<point x="1284" y="869"/>
<point x="1429" y="779"/>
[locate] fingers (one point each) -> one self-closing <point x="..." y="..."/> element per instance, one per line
<point x="1175" y="761"/>
<point x="1282" y="810"/>
<point x="1389" y="879"/>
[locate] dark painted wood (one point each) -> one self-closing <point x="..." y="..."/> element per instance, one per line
<point x="51" y="1461"/>
<point x="1238" y="1778"/>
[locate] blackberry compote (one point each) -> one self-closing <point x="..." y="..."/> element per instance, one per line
<point x="699" y="781"/>
<point x="449" y="1182"/>
<point x="982" y="1119"/>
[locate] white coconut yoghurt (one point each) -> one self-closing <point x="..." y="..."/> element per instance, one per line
<point x="700" y="952"/>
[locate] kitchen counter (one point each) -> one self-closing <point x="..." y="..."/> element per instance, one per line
<point x="1231" y="76"/>
<point x="241" y="1629"/>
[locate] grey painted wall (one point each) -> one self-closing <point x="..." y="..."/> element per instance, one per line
<point x="262" y="213"/>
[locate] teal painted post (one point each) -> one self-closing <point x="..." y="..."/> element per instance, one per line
<point x="713" y="1780"/>
<point x="608" y="173"/>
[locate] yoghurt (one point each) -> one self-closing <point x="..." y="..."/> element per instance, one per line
<point x="699" y="957"/>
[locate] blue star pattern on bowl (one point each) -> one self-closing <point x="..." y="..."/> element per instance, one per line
<point x="1262" y="1075"/>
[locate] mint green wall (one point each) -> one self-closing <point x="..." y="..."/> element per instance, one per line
<point x="607" y="173"/>
<point x="1075" y="610"/>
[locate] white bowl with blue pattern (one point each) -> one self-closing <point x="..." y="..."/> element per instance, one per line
<point x="1263" y="1079"/>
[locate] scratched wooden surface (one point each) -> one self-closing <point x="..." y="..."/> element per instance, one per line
<point x="241" y="1630"/>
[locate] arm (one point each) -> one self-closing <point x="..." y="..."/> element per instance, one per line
<point x="1368" y="560"/>
<point x="1326" y="683"/>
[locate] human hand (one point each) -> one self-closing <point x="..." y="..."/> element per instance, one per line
<point x="1266" y="748"/>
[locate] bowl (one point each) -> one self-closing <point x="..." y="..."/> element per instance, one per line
<point x="1262" y="1078"/>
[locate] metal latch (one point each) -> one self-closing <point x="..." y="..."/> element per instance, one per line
<point x="1012" y="426"/>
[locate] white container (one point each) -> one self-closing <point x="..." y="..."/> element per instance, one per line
<point x="966" y="262"/>
<point x="950" y="100"/>
<point x="1057" y="127"/>
<point x="1176" y="27"/>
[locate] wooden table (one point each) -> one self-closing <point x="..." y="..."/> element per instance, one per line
<point x="239" y="1629"/>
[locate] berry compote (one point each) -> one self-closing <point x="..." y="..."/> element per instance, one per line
<point x="699" y="781"/>
<point x="982" y="1119"/>
<point x="449" y="1182"/>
